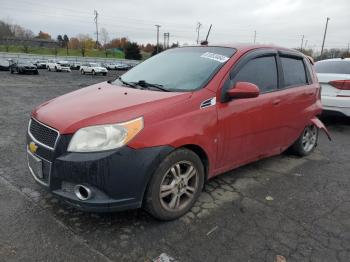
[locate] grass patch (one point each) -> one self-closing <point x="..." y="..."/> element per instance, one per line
<point x="60" y="51"/>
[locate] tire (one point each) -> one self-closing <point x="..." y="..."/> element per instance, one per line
<point x="48" y="69"/>
<point x="36" y="72"/>
<point x="307" y="141"/>
<point x="183" y="193"/>
<point x="56" y="69"/>
<point x="93" y="72"/>
<point x="82" y="72"/>
<point x="104" y="74"/>
<point x="11" y="71"/>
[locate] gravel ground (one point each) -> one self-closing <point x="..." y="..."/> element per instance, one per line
<point x="297" y="208"/>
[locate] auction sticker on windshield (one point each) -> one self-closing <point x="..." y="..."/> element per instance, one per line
<point x="216" y="57"/>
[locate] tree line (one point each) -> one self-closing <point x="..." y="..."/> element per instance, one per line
<point x="82" y="42"/>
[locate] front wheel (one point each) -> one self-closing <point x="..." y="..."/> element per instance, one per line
<point x="175" y="186"/>
<point x="93" y="72"/>
<point x="82" y="72"/>
<point x="307" y="141"/>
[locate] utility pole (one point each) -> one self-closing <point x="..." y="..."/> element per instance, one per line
<point x="168" y="35"/>
<point x="348" y="49"/>
<point x="198" y="29"/>
<point x="302" y="42"/>
<point x="157" y="37"/>
<point x="324" y="36"/>
<point x="96" y="23"/>
<point x="165" y="36"/>
<point x="305" y="44"/>
<point x="254" y="36"/>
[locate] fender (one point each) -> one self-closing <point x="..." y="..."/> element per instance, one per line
<point x="317" y="122"/>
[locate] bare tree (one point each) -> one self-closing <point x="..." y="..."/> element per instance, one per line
<point x="104" y="36"/>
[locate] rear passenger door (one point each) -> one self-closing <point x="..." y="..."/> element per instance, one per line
<point x="298" y="95"/>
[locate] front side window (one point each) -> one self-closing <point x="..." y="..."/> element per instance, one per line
<point x="261" y="71"/>
<point x="293" y="71"/>
<point x="180" y="69"/>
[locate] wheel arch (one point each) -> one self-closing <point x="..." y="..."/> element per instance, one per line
<point x="200" y="152"/>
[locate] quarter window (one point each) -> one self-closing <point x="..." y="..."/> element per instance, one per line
<point x="261" y="71"/>
<point x="293" y="71"/>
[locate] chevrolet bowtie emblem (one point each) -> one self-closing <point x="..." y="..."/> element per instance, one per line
<point x="33" y="147"/>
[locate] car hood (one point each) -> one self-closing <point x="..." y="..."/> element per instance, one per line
<point x="102" y="104"/>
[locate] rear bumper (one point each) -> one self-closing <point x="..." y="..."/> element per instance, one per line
<point x="336" y="104"/>
<point x="116" y="178"/>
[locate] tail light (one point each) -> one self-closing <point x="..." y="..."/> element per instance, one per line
<point x="341" y="84"/>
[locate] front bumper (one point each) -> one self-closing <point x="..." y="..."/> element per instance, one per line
<point x="118" y="178"/>
<point x="336" y="104"/>
<point x="65" y="68"/>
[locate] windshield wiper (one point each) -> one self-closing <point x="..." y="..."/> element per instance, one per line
<point x="143" y="83"/>
<point x="131" y="84"/>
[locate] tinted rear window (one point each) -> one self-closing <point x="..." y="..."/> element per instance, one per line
<point x="293" y="71"/>
<point x="333" y="67"/>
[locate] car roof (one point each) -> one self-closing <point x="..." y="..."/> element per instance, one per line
<point x="247" y="46"/>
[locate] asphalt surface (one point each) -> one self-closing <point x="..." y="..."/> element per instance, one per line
<point x="295" y="208"/>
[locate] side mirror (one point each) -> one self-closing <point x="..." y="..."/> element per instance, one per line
<point x="243" y="90"/>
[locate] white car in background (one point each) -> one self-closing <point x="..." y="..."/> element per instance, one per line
<point x="93" y="68"/>
<point x="58" y="66"/>
<point x="334" y="77"/>
<point x="65" y="66"/>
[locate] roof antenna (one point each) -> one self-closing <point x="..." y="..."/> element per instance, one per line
<point x="205" y="42"/>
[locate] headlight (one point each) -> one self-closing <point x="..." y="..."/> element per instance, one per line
<point x="105" y="137"/>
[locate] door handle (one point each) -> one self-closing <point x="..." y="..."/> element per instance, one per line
<point x="276" y="102"/>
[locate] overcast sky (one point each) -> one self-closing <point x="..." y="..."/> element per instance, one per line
<point x="281" y="22"/>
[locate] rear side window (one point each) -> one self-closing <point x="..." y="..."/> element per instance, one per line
<point x="333" y="67"/>
<point x="293" y="71"/>
<point x="261" y="71"/>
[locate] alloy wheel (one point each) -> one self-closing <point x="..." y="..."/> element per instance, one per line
<point x="309" y="138"/>
<point x="179" y="186"/>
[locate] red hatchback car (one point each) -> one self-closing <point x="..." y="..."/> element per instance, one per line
<point x="152" y="137"/>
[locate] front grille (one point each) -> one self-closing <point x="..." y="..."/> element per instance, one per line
<point x="43" y="134"/>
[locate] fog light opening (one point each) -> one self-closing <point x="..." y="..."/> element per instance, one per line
<point x="82" y="192"/>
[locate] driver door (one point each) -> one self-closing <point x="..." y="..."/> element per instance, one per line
<point x="249" y="127"/>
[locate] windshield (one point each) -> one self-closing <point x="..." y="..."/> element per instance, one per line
<point x="333" y="67"/>
<point x="180" y="69"/>
<point x="95" y="65"/>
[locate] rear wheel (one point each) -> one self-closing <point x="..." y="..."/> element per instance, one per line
<point x="307" y="141"/>
<point x="175" y="186"/>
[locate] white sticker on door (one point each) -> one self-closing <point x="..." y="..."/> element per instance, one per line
<point x="216" y="57"/>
